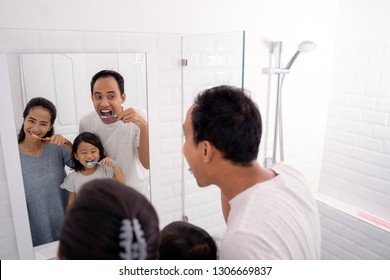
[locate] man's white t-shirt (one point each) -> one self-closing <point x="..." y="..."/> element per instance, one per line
<point x="120" y="141"/>
<point x="276" y="219"/>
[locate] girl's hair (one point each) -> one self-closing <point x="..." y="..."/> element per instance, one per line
<point x="45" y="104"/>
<point x="90" y="138"/>
<point x="184" y="241"/>
<point x="93" y="227"/>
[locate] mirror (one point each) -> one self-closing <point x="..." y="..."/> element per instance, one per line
<point x="212" y="59"/>
<point x="64" y="79"/>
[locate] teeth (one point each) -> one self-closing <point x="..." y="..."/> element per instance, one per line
<point x="105" y="112"/>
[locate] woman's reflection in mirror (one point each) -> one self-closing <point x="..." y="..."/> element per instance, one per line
<point x="43" y="156"/>
<point x="123" y="131"/>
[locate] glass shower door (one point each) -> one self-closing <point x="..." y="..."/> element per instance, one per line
<point x="208" y="60"/>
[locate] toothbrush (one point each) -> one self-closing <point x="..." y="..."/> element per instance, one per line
<point x="108" y="116"/>
<point x="97" y="162"/>
<point x="44" y="139"/>
<point x="39" y="138"/>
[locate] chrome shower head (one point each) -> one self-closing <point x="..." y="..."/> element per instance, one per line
<point x="305" y="46"/>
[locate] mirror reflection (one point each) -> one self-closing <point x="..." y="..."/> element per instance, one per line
<point x="117" y="115"/>
<point x="43" y="171"/>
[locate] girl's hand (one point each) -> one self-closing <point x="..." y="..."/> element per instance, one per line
<point x="106" y="161"/>
<point x="58" y="139"/>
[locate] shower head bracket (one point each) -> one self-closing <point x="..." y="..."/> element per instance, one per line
<point x="276" y="49"/>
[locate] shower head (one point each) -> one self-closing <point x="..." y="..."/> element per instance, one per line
<point x="305" y="46"/>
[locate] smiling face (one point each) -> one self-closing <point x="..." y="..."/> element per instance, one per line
<point x="87" y="152"/>
<point x="107" y="98"/>
<point x="37" y="123"/>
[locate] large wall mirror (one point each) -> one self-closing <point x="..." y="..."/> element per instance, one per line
<point x="64" y="79"/>
<point x="154" y="80"/>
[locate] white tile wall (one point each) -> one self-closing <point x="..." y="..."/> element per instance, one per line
<point x="348" y="238"/>
<point x="356" y="161"/>
<point x="101" y="42"/>
<point x="357" y="136"/>
<point x="138" y="42"/>
<point x="55" y="41"/>
<point x="212" y="60"/>
<point x="18" y="41"/>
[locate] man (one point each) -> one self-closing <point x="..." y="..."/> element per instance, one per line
<point x="123" y="132"/>
<point x="272" y="213"/>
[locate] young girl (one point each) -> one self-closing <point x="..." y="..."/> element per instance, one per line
<point x="185" y="241"/>
<point x="90" y="163"/>
<point x="109" y="221"/>
<point x="43" y="156"/>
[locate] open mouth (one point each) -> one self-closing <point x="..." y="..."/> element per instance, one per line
<point x="107" y="114"/>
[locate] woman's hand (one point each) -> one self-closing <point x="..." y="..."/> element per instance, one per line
<point x="59" y="140"/>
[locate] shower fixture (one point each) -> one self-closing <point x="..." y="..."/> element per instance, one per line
<point x="305" y="46"/>
<point x="276" y="51"/>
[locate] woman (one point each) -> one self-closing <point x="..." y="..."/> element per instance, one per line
<point x="43" y="156"/>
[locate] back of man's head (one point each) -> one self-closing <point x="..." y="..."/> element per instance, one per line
<point x="230" y="120"/>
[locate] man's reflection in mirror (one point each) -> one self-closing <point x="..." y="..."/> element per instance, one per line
<point x="123" y="131"/>
<point x="43" y="156"/>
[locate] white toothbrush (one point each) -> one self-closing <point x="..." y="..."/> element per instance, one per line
<point x="108" y="116"/>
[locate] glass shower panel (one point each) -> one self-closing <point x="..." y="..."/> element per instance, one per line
<point x="210" y="60"/>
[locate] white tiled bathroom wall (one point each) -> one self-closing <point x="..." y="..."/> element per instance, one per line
<point x="356" y="167"/>
<point x="214" y="59"/>
<point x="345" y="237"/>
<point x="356" y="164"/>
<point x="356" y="156"/>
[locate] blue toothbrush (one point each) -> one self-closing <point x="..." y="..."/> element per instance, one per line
<point x="97" y="162"/>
